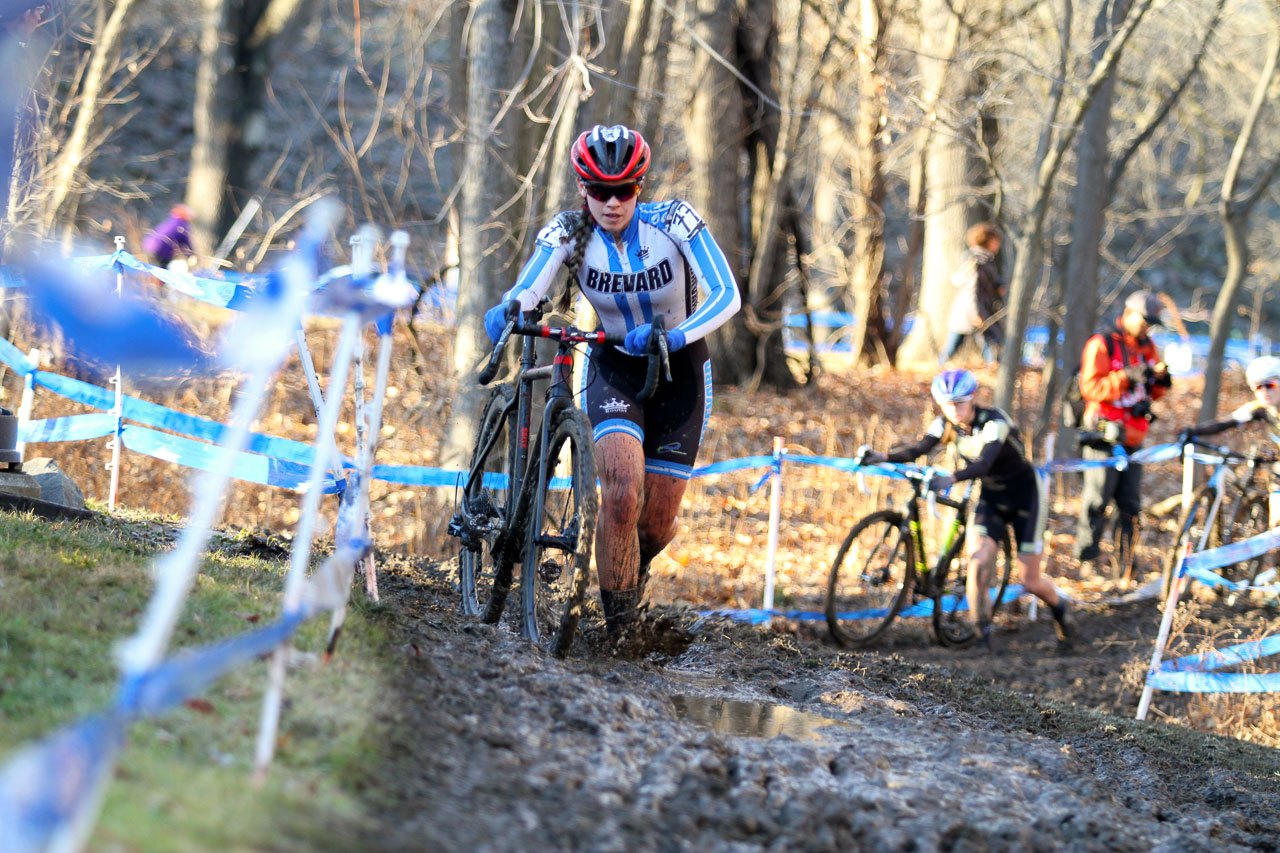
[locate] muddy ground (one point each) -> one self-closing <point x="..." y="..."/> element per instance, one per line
<point x="769" y="738"/>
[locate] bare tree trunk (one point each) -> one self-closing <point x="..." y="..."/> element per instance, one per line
<point x="945" y="160"/>
<point x="483" y="272"/>
<point x="870" y="336"/>
<point x="909" y="271"/>
<point x="1089" y="202"/>
<point x="714" y="136"/>
<point x="1235" y="211"/>
<point x="1052" y="148"/>
<point x="652" y="82"/>
<point x="72" y="160"/>
<point x="238" y="40"/>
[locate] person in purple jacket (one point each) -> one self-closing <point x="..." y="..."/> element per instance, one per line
<point x="169" y="238"/>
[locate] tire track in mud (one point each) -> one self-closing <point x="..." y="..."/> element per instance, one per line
<point x="490" y="745"/>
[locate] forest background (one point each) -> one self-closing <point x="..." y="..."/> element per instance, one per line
<point x="838" y="150"/>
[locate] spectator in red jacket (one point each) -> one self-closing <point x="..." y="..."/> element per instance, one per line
<point x="1120" y="376"/>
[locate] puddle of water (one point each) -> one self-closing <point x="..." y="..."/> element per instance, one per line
<point x="753" y="719"/>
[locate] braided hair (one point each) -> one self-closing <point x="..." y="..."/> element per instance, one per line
<point x="578" y="234"/>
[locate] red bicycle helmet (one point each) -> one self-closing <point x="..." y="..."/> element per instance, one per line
<point x="610" y="154"/>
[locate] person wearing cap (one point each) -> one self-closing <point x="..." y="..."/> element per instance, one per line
<point x="170" y="237"/>
<point x="1120" y="376"/>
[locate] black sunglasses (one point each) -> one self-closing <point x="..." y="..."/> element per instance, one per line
<point x="604" y="192"/>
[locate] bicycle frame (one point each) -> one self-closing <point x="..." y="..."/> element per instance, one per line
<point x="935" y="576"/>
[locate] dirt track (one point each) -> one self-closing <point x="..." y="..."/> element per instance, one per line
<point x="491" y="745"/>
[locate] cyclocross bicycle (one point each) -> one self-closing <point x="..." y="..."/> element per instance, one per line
<point x="1206" y="524"/>
<point x="883" y="566"/>
<point x="512" y="502"/>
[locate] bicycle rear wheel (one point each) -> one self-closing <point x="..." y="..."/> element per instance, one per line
<point x="486" y="508"/>
<point x="1252" y="515"/>
<point x="561" y="529"/>
<point x="1003" y="570"/>
<point x="1191" y="528"/>
<point x="952" y="624"/>
<point x="870" y="580"/>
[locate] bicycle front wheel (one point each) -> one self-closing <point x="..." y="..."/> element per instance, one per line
<point x="486" y="507"/>
<point x="870" y="580"/>
<point x="1252" y="516"/>
<point x="560" y="533"/>
<point x="1191" y="528"/>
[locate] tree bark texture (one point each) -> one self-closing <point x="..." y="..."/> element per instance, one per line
<point x="484" y="269"/>
<point x="1235" y="208"/>
<point x="1089" y="202"/>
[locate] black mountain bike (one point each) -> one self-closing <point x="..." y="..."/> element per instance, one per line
<point x="515" y="506"/>
<point x="882" y="566"/>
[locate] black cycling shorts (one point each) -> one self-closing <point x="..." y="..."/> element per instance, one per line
<point x="1020" y="505"/>
<point x="670" y="425"/>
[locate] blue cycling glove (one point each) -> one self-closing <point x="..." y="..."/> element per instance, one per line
<point x="497" y="317"/>
<point x="941" y="482"/>
<point x="637" y="340"/>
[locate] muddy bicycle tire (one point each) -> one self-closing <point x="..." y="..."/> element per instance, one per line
<point x="1250" y="516"/>
<point x="560" y="532"/>
<point x="1191" y="528"/>
<point x="870" y="580"/>
<point x="953" y="627"/>
<point x="489" y="506"/>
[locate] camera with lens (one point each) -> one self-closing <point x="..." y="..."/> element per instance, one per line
<point x="1142" y="409"/>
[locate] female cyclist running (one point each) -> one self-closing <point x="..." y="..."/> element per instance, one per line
<point x="1012" y="493"/>
<point x="633" y="261"/>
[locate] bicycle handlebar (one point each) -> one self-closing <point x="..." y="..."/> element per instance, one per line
<point x="1226" y="454"/>
<point x="659" y="354"/>
<point x="659" y="357"/>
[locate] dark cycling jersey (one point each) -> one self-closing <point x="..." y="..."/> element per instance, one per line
<point x="991" y="448"/>
<point x="992" y="451"/>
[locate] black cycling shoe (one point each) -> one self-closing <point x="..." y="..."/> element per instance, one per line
<point x="1062" y="627"/>
<point x="1089" y="554"/>
<point x="985" y="641"/>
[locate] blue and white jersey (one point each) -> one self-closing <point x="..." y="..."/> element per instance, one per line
<point x="656" y="266"/>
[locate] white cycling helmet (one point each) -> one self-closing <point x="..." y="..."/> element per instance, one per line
<point x="1262" y="369"/>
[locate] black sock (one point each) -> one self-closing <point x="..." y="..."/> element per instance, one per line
<point x="1059" y="610"/>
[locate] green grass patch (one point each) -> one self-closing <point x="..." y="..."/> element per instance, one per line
<point x="69" y="591"/>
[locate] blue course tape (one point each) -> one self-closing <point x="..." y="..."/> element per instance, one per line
<point x="265" y="470"/>
<point x="71" y="428"/>
<point x="1215" y="682"/>
<point x="1219" y="658"/>
<point x="44" y="786"/>
<point x="154" y="415"/>
<point x="1232" y="553"/>
<point x="189" y="672"/>
<point x="13" y="357"/>
<point x="730" y="465"/>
